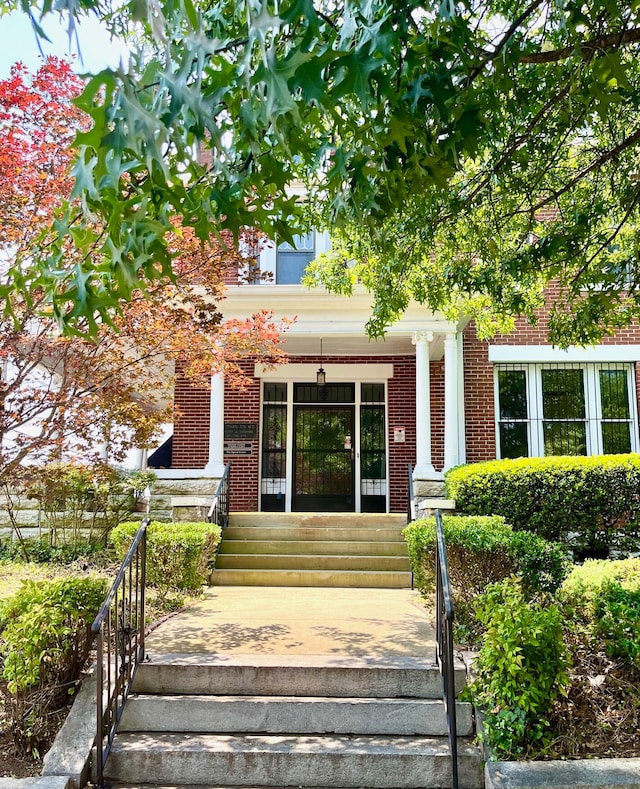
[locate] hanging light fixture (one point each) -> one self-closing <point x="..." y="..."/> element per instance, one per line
<point x="321" y="376"/>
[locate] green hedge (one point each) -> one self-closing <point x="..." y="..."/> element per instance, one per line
<point x="484" y="550"/>
<point x="605" y="595"/>
<point x="178" y="554"/>
<point x="46" y="640"/>
<point x="591" y="504"/>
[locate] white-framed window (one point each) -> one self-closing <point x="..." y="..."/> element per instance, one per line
<point x="292" y="259"/>
<point x="565" y="409"/>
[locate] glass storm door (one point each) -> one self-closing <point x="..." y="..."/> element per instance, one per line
<point x="323" y="458"/>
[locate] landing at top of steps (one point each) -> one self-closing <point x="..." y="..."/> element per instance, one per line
<point x="317" y="518"/>
<point x="299" y="621"/>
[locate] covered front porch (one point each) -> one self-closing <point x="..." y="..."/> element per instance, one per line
<point x="336" y="428"/>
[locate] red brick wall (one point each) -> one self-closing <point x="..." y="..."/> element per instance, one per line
<point x="192" y="405"/>
<point x="244" y="406"/>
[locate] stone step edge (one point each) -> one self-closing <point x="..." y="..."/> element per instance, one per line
<point x="344" y="744"/>
<point x="355" y="662"/>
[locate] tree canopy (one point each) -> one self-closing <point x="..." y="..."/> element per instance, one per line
<point x="64" y="396"/>
<point x="466" y="153"/>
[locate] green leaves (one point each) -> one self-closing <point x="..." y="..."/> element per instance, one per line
<point x="440" y="137"/>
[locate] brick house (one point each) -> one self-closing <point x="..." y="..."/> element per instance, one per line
<point x="336" y="428"/>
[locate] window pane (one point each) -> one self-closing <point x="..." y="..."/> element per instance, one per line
<point x="565" y="438"/>
<point x="290" y="267"/>
<point x="275" y="393"/>
<point x="513" y="440"/>
<point x="614" y="394"/>
<point x="512" y="388"/>
<point x="372" y="393"/>
<point x="616" y="438"/>
<point x="563" y="395"/>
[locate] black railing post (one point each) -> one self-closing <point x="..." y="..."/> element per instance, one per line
<point x="219" y="510"/>
<point x="119" y="628"/>
<point x="444" y="643"/>
<point x="411" y="503"/>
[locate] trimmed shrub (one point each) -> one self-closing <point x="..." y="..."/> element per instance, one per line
<point x="178" y="554"/>
<point x="521" y="668"/>
<point x="484" y="550"/>
<point x="606" y="596"/>
<point x="591" y="504"/>
<point x="46" y="640"/>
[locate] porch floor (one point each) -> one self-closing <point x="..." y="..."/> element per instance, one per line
<point x="299" y="621"/>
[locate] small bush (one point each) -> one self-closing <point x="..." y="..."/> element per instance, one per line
<point x="591" y="504"/>
<point x="521" y="668"/>
<point x="605" y="595"/>
<point x="46" y="639"/>
<point x="178" y="554"/>
<point x="484" y="550"/>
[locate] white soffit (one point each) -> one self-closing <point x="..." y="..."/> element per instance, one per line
<point x="336" y="373"/>
<point x="526" y="354"/>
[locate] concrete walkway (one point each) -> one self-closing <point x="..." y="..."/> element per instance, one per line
<point x="299" y="621"/>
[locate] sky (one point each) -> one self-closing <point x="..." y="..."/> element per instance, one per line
<point x="18" y="42"/>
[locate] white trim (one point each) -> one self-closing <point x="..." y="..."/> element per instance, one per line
<point x="336" y="373"/>
<point x="526" y="354"/>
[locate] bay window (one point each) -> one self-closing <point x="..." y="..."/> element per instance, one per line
<point x="565" y="409"/>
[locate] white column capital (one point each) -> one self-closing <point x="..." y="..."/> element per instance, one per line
<point x="420" y="337"/>
<point x="451" y="339"/>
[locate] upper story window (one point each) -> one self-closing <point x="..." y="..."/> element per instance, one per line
<point x="565" y="409"/>
<point x="292" y="260"/>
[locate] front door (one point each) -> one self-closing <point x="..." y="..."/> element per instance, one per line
<point x="323" y="458"/>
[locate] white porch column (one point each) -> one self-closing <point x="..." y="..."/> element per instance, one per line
<point x="451" y="421"/>
<point x="215" y="466"/>
<point x="424" y="468"/>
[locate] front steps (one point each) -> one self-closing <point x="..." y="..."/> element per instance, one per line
<point x="284" y="721"/>
<point x="313" y="549"/>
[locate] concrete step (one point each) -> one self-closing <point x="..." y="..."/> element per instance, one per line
<point x="317" y="519"/>
<point x="316" y="547"/>
<point x="316" y="533"/>
<point x="234" y="561"/>
<point x="292" y="675"/>
<point x="291" y="715"/>
<point x="366" y="579"/>
<point x="378" y="762"/>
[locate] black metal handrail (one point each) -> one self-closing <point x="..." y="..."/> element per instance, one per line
<point x="444" y="642"/>
<point x="219" y="510"/>
<point x="412" y="510"/>
<point x="119" y="627"/>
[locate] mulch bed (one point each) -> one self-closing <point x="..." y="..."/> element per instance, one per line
<point x="600" y="717"/>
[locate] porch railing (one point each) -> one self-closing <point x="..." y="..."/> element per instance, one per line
<point x="444" y="643"/>
<point x="119" y="628"/>
<point x="219" y="510"/>
<point x="412" y="510"/>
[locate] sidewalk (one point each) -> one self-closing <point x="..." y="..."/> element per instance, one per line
<point x="299" y="621"/>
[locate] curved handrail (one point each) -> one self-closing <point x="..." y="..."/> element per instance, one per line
<point x="219" y="510"/>
<point x="119" y="627"/>
<point x="444" y="642"/>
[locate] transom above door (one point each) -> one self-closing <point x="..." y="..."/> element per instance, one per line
<point x="324" y="447"/>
